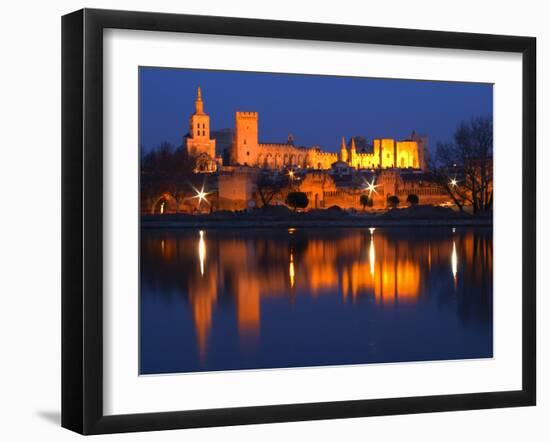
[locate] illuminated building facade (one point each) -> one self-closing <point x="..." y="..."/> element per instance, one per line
<point x="386" y="153"/>
<point x="328" y="178"/>
<point x="247" y="150"/>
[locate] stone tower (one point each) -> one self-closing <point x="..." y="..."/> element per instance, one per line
<point x="245" y="143"/>
<point x="199" y="141"/>
<point x="422" y="146"/>
<point x="353" y="160"/>
<point x="387" y="153"/>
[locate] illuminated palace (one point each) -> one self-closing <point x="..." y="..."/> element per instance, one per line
<point x="248" y="151"/>
<point x="392" y="168"/>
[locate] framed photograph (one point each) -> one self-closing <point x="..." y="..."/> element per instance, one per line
<point x="269" y="221"/>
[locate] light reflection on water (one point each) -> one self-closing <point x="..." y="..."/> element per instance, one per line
<point x="236" y="299"/>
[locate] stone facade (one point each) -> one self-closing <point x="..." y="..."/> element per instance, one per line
<point x="387" y="152"/>
<point x="237" y="189"/>
<point x="248" y="151"/>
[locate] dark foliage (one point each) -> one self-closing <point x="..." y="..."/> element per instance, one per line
<point x="412" y="199"/>
<point x="393" y="201"/>
<point x="297" y="199"/>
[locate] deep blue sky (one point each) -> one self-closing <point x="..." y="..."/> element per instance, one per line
<point x="316" y="109"/>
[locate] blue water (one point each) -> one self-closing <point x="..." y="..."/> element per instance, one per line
<point x="232" y="299"/>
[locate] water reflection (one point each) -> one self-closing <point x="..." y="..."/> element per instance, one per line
<point x="202" y="251"/>
<point x="372" y="256"/>
<point x="251" y="276"/>
<point x="291" y="273"/>
<point x="454" y="263"/>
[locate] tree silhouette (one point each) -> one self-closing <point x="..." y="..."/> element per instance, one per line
<point x="464" y="167"/>
<point x="297" y="199"/>
<point x="269" y="185"/>
<point x="412" y="199"/>
<point x="365" y="201"/>
<point x="393" y="201"/>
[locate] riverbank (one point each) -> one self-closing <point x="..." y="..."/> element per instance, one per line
<point x="421" y="216"/>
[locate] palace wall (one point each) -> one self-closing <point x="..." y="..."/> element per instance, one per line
<point x="278" y="155"/>
<point x="319" y="159"/>
<point x="236" y="189"/>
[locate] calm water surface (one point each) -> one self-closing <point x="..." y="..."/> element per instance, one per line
<point x="268" y="298"/>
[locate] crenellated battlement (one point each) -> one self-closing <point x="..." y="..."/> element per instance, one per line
<point x="286" y="146"/>
<point x="322" y="153"/>
<point x="246" y="114"/>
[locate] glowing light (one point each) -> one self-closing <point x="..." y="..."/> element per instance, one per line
<point x="454" y="262"/>
<point x="291" y="174"/>
<point x="291" y="230"/>
<point x="202" y="251"/>
<point x="371" y="230"/>
<point x="370" y="186"/>
<point x="454" y="230"/>
<point x="453" y="182"/>
<point x="291" y="273"/>
<point x="162" y="207"/>
<point x="201" y="195"/>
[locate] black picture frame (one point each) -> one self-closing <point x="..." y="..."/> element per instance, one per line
<point x="82" y="220"/>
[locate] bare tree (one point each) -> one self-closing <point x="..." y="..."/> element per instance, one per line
<point x="269" y="185"/>
<point x="464" y="167"/>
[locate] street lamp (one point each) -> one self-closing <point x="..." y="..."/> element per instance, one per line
<point x="370" y="186"/>
<point x="201" y="195"/>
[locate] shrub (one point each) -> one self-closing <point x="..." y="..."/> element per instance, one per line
<point x="393" y="201"/>
<point x="297" y="199"/>
<point x="412" y="199"/>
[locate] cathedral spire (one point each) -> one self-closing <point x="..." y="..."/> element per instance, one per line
<point x="198" y="102"/>
<point x="343" y="151"/>
<point x="353" y="148"/>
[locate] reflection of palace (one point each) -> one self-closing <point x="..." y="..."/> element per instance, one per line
<point x="233" y="159"/>
<point x="389" y="270"/>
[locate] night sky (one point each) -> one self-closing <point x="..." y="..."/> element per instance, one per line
<point x="317" y="110"/>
